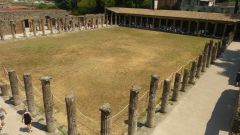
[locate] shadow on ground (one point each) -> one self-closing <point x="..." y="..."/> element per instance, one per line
<point x="222" y="113"/>
<point x="39" y="126"/>
<point x="9" y="101"/>
<point x="230" y="66"/>
<point x="24" y="129"/>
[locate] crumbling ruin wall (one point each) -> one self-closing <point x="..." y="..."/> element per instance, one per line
<point x="17" y="16"/>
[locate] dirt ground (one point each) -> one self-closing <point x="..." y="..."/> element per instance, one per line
<point x="99" y="66"/>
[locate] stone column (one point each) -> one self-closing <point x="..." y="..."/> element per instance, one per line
<point x="234" y="29"/>
<point x="199" y="65"/>
<point x="2" y="26"/>
<point x="29" y="93"/>
<point x="214" y="54"/>
<point x="152" y="101"/>
<point x="224" y="30"/>
<point x="153" y="22"/>
<point x="159" y="25"/>
<point x="4" y="89"/>
<point x="181" y="25"/>
<point x="174" y="23"/>
<point x="14" y="87"/>
<point x="13" y="30"/>
<point x="79" y="23"/>
<point x="166" y="22"/>
<point x="147" y="22"/>
<point x="133" y="110"/>
<point x="48" y="104"/>
<point x="124" y="20"/>
<point x="86" y="22"/>
<point x="105" y="119"/>
<point x="97" y="21"/>
<point x="34" y="27"/>
<point x="116" y="19"/>
<point x="62" y="24"/>
<point x="176" y="87"/>
<point x="166" y="90"/>
<point x="111" y="21"/>
<point x="141" y="22"/>
<point x="197" y="29"/>
<point x="130" y="21"/>
<point x="107" y="20"/>
<point x="215" y="29"/>
<point x="92" y="22"/>
<point x="39" y="25"/>
<point x="135" y="21"/>
<point x="185" y="79"/>
<point x="206" y="28"/>
<point x="71" y="115"/>
<point x="65" y="23"/>
<point x="193" y="73"/>
<point x="210" y="53"/>
<point x="205" y="56"/>
<point x="2" y="33"/>
<point x="50" y="25"/>
<point x="23" y="28"/>
<point x="189" y="27"/>
<point x="103" y="20"/>
<point x="59" y="25"/>
<point x="43" y="25"/>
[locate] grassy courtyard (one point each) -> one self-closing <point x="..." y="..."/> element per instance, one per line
<point x="99" y="66"/>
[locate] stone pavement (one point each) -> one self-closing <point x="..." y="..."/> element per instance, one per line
<point x="207" y="107"/>
<point x="13" y="124"/>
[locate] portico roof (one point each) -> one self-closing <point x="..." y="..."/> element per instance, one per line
<point x="194" y="15"/>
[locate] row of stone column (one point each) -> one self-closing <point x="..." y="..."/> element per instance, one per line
<point x="59" y="24"/>
<point x="211" y="52"/>
<point x="47" y="100"/>
<point x="137" y="21"/>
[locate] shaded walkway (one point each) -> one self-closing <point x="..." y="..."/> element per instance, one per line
<point x="207" y="108"/>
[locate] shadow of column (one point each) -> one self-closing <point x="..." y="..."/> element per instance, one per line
<point x="222" y="114"/>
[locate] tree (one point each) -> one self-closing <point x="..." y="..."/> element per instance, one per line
<point x="86" y="6"/>
<point x="64" y="4"/>
<point x="74" y="4"/>
<point x="101" y="4"/>
<point x="236" y="7"/>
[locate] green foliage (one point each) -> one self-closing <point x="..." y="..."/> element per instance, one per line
<point x="101" y="4"/>
<point x="64" y="4"/>
<point x="85" y="6"/>
<point x="46" y="6"/>
<point x="95" y="6"/>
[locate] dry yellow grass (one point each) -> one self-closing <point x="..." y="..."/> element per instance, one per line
<point x="101" y="65"/>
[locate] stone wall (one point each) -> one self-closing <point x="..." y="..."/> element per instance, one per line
<point x="25" y="21"/>
<point x="17" y="16"/>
